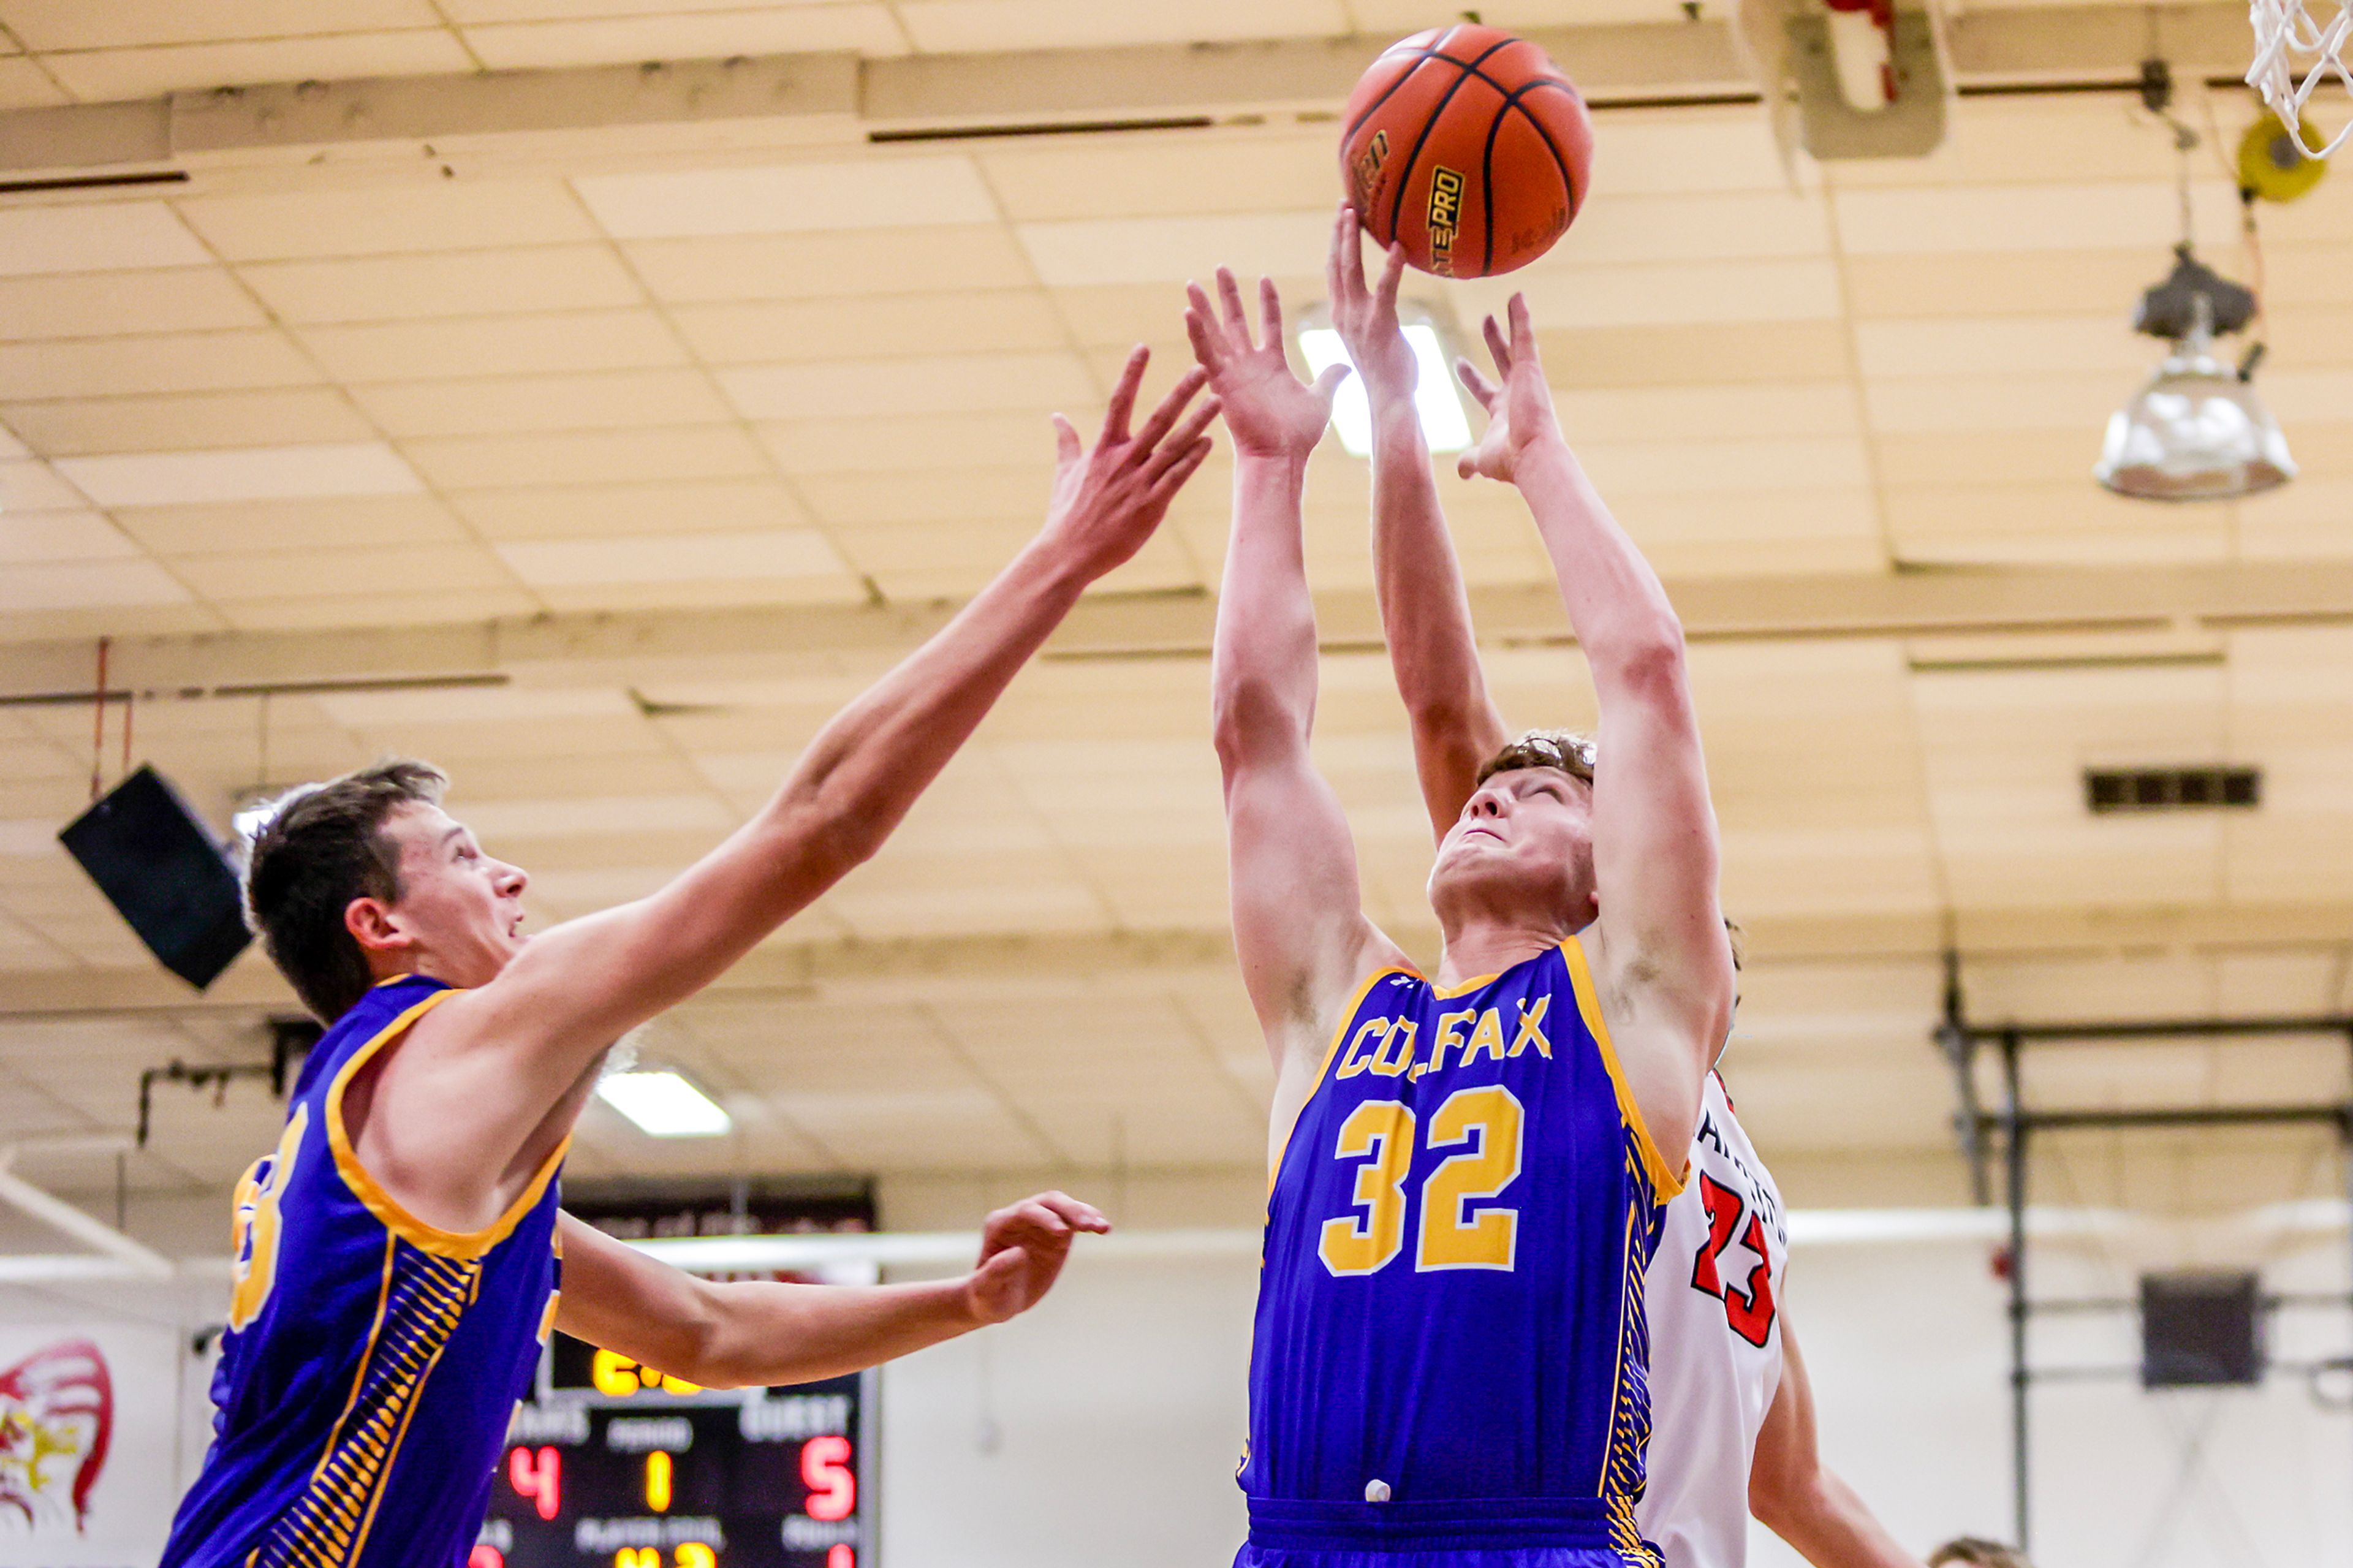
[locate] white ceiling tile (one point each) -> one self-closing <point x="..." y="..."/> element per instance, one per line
<point x="248" y="525"/>
<point x="61" y="536"/>
<point x="177" y="361"/>
<point x="1946" y="219"/>
<point x="259" y="473"/>
<point x="466" y="283"/>
<point x="376" y="711"/>
<point x="823" y="265"/>
<point x="104" y="304"/>
<point x="493" y="345"/>
<point x="79" y="585"/>
<point x="95" y="237"/>
<point x="575" y="814"/>
<point x="111" y="75"/>
<point x="182" y="421"/>
<point x="48" y="25"/>
<point x="522" y="405"/>
<point x="1699" y="292"/>
<point x="385" y="217"/>
<point x="671" y="557"/>
<point x="789" y="198"/>
<point x="24" y="85"/>
<point x="26" y="485"/>
<point x="1173" y="249"/>
<point x="683" y="452"/>
<point x="717" y="34"/>
<point x="2016" y="346"/>
<point x="913" y="385"/>
<point x="337" y="572"/>
<point x="968" y="26"/>
<point x="792" y="331"/>
<point x="684" y="506"/>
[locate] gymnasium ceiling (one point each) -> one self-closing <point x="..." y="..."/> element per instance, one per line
<point x="596" y="433"/>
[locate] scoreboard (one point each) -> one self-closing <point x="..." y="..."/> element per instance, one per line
<point x="613" y="1464"/>
<point x="619" y="1466"/>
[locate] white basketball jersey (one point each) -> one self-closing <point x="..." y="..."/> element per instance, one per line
<point x="1713" y="1291"/>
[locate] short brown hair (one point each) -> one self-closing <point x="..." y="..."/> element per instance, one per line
<point x="1976" y="1551"/>
<point x="323" y="846"/>
<point x="1566" y="750"/>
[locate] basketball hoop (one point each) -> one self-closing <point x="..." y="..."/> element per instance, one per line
<point x="2287" y="32"/>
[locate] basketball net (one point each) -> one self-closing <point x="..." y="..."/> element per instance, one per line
<point x="2287" y="34"/>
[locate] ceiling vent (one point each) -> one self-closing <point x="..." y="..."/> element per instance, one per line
<point x="2109" y="790"/>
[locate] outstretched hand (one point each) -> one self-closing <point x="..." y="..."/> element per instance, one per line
<point x="1022" y="1250"/>
<point x="1366" y="318"/>
<point x="1271" y="412"/>
<point x="1107" y="501"/>
<point x="1519" y="412"/>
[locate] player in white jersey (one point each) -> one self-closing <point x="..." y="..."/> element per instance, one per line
<point x="1732" y="1413"/>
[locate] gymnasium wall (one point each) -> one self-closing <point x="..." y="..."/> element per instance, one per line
<point x="1101" y="1430"/>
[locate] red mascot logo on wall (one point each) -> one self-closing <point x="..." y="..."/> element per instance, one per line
<point x="56" y="1413"/>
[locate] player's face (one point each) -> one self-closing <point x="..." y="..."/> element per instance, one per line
<point x="1523" y="848"/>
<point x="464" y="908"/>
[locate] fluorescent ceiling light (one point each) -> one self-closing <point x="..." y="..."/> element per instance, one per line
<point x="1434" y="397"/>
<point x="663" y="1104"/>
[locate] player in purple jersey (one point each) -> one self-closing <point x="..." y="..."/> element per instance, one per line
<point x="397" y="1255"/>
<point x="1449" y="1355"/>
<point x="1768" y="1465"/>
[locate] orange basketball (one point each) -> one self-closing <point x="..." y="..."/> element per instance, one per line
<point x="1470" y="146"/>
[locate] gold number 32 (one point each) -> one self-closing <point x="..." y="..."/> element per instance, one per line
<point x="1381" y="1132"/>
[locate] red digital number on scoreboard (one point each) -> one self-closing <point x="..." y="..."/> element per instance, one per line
<point x="538" y="1476"/>
<point x="832" y="1484"/>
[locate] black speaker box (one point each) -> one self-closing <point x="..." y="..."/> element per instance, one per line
<point x="2201" y="1328"/>
<point x="157" y="863"/>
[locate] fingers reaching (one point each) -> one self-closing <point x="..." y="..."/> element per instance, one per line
<point x="1201" y="328"/>
<point x="1190" y="434"/>
<point x="1230" y="296"/>
<point x="1067" y="447"/>
<point x="1392" y="274"/>
<point x="1190" y="382"/>
<point x="1498" y="348"/>
<point x="1476" y="384"/>
<point x="1123" y="397"/>
<point x="1524" y="328"/>
<point x="1328" y="384"/>
<point x="1078" y="1216"/>
<point x="1172" y="478"/>
<point x="1270" y="315"/>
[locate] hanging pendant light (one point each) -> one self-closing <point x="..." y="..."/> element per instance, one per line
<point x="2198" y="431"/>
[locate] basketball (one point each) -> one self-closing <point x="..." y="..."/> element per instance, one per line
<point x="1470" y="146"/>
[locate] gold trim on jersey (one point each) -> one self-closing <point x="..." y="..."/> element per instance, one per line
<point x="461" y="1246"/>
<point x="1323" y="1069"/>
<point x="1667" y="1181"/>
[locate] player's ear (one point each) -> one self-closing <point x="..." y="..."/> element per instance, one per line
<point x="374" y="927"/>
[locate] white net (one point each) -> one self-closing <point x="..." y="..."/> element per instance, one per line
<point x="2296" y="51"/>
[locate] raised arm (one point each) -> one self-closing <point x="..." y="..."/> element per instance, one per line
<point x="759" y="1333"/>
<point x="1424" y="614"/>
<point x="1659" y="945"/>
<point x="1792" y="1493"/>
<point x="1298" y="924"/>
<point x="474" y="1091"/>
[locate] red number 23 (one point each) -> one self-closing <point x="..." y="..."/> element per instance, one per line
<point x="1748" y="1308"/>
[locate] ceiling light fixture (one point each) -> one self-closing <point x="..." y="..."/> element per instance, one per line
<point x="2197" y="430"/>
<point x="664" y="1105"/>
<point x="1435" y="400"/>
